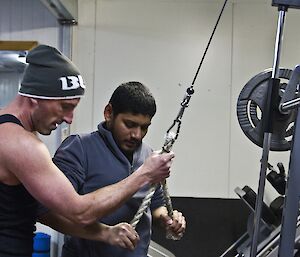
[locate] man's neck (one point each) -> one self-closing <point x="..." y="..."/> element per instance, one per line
<point x="129" y="157"/>
<point x="20" y="108"/>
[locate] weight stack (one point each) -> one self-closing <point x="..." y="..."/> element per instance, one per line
<point x="41" y="245"/>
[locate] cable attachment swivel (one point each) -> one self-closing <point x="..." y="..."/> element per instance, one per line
<point x="184" y="104"/>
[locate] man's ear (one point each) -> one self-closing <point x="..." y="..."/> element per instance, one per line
<point x="33" y="101"/>
<point x="108" y="113"/>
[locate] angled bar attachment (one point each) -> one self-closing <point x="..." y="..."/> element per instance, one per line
<point x="289" y="99"/>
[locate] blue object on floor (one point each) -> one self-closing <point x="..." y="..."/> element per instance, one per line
<point x="41" y="245"/>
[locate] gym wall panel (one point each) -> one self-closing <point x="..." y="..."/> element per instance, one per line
<point x="84" y="56"/>
<point x="161" y="43"/>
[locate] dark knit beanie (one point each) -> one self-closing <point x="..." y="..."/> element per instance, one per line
<point x="50" y="75"/>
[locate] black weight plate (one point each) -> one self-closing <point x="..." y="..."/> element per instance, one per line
<point x="249" y="111"/>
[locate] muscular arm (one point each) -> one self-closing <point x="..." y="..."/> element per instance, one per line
<point x="122" y="234"/>
<point x="28" y="159"/>
<point x="94" y="231"/>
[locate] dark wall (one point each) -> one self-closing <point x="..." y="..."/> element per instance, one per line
<point x="212" y="226"/>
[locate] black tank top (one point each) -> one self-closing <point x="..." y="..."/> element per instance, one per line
<point x="17" y="215"/>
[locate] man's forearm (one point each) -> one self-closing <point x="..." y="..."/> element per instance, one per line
<point x="95" y="231"/>
<point x="121" y="235"/>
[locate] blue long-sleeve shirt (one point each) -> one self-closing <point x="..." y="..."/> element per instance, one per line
<point x="92" y="161"/>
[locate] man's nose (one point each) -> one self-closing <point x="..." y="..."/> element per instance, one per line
<point x="68" y="118"/>
<point x="136" y="133"/>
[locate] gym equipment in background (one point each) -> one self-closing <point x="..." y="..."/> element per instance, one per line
<point x="275" y="102"/>
<point x="268" y="116"/>
<point x="250" y="111"/>
<point x="270" y="218"/>
<point x="274" y="238"/>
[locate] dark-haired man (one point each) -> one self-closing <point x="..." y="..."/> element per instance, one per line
<point x="109" y="155"/>
<point x="50" y="90"/>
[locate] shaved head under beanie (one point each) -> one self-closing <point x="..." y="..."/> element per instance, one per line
<point x="50" y="75"/>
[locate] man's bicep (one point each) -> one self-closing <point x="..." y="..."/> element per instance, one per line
<point x="35" y="170"/>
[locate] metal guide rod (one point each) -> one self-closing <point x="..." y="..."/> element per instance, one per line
<point x="278" y="42"/>
<point x="267" y="138"/>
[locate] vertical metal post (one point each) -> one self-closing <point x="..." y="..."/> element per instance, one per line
<point x="65" y="39"/>
<point x="291" y="203"/>
<point x="278" y="42"/>
<point x="267" y="139"/>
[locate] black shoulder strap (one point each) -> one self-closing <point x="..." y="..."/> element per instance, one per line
<point x="9" y="118"/>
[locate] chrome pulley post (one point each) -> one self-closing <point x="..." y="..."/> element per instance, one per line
<point x="269" y="109"/>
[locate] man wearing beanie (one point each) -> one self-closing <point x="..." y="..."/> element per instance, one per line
<point x="51" y="75"/>
<point x="50" y="90"/>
